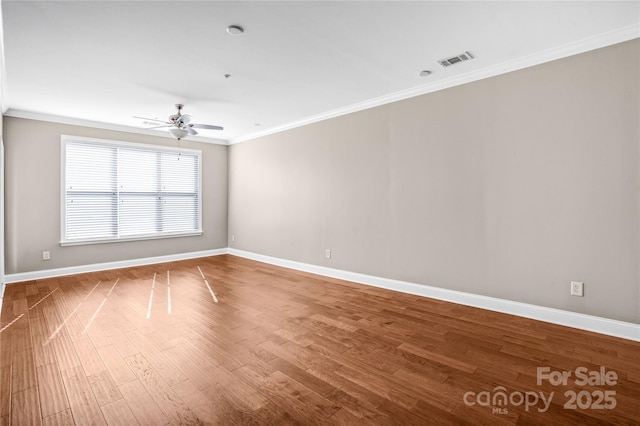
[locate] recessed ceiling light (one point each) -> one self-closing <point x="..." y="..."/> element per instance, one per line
<point x="425" y="73"/>
<point x="235" y="30"/>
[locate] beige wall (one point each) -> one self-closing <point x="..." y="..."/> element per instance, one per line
<point x="508" y="187"/>
<point x="1" y="202"/>
<point x="32" y="216"/>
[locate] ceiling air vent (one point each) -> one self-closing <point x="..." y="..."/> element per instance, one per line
<point x="454" y="60"/>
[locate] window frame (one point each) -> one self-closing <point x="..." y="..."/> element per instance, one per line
<point x="64" y="139"/>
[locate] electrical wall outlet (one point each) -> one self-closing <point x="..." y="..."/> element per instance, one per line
<point x="327" y="254"/>
<point x="46" y="255"/>
<point x="577" y="288"/>
<point x="233" y="238"/>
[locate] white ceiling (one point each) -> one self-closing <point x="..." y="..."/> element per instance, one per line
<point x="297" y="62"/>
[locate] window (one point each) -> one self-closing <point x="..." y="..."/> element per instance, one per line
<point x="117" y="191"/>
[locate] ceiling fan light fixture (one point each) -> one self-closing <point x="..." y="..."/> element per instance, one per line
<point x="178" y="133"/>
<point x="179" y="125"/>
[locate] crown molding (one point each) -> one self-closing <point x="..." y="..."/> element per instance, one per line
<point x="591" y="43"/>
<point x="30" y="115"/>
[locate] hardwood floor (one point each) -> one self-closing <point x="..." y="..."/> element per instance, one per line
<point x="225" y="340"/>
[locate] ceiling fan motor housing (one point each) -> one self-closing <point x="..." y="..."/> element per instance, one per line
<point x="175" y="117"/>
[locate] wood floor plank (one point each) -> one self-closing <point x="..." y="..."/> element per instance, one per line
<point x="437" y="358"/>
<point x="298" y="399"/>
<point x="43" y="353"/>
<point x="53" y="398"/>
<point x="5" y="391"/>
<point x="391" y="390"/>
<point x="20" y="305"/>
<point x="117" y="367"/>
<point x="63" y="418"/>
<point x="23" y="371"/>
<point x="54" y="320"/>
<point x="97" y="336"/>
<point x="64" y="351"/>
<point x="121" y="344"/>
<point x="89" y="358"/>
<point x="358" y="400"/>
<point x="142" y="406"/>
<point x="280" y="347"/>
<point x="104" y="388"/>
<point x="21" y="335"/>
<point x="201" y="406"/>
<point x="198" y="374"/>
<point x="239" y="392"/>
<point x="84" y="408"/>
<point x="117" y="413"/>
<point x="172" y="406"/>
<point x="6" y="345"/>
<point x="37" y="324"/>
<point x="25" y="409"/>
<point x="302" y="376"/>
<point x="204" y="347"/>
<point x="345" y="417"/>
<point x="169" y="372"/>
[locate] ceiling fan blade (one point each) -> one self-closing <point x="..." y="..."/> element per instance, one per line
<point x="191" y="131"/>
<point x="158" y="127"/>
<point x="151" y="119"/>
<point x="151" y="123"/>
<point x="206" y="126"/>
<point x="184" y="119"/>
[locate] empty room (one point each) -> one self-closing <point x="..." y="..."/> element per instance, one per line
<point x="319" y="212"/>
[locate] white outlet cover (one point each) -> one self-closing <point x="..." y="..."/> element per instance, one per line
<point x="577" y="288"/>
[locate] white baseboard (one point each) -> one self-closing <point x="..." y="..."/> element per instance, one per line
<point x="625" y="330"/>
<point x="71" y="270"/>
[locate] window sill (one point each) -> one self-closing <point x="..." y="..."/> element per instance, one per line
<point x="128" y="239"/>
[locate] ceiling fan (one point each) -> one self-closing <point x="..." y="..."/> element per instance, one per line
<point x="179" y="124"/>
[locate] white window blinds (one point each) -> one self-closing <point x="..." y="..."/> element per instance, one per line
<point x="115" y="191"/>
